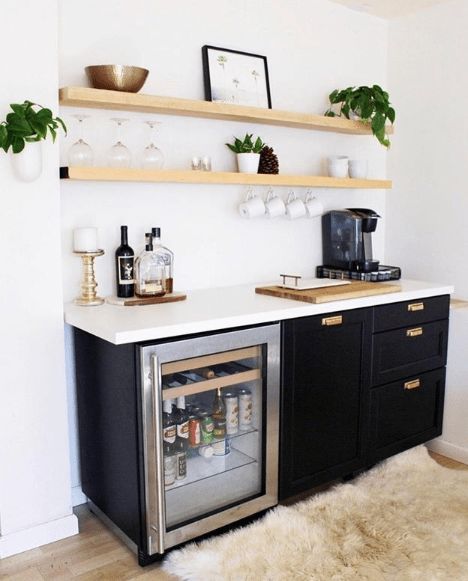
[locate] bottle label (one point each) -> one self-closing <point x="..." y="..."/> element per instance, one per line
<point x="181" y="466"/>
<point x="183" y="430"/>
<point x="152" y="286"/>
<point x="169" y="434"/>
<point x="125" y="269"/>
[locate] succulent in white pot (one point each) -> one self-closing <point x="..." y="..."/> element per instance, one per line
<point x="248" y="153"/>
<point x="22" y="131"/>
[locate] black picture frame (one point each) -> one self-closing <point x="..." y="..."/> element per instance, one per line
<point x="237" y="96"/>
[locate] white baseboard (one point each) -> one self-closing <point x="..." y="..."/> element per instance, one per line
<point x="78" y="497"/>
<point x="450" y="450"/>
<point x="49" y="532"/>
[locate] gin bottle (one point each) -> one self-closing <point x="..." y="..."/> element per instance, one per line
<point x="150" y="272"/>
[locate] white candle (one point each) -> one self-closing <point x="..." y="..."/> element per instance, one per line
<point x="85" y="240"/>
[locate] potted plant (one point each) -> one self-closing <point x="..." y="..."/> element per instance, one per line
<point x="28" y="123"/>
<point x="370" y="104"/>
<point x="248" y="152"/>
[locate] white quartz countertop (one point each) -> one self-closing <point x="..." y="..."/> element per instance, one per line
<point x="220" y="308"/>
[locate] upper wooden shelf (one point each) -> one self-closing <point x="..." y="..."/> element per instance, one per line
<point x="100" y="99"/>
<point x="212" y="177"/>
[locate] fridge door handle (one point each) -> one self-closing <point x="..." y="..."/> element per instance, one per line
<point x="154" y="461"/>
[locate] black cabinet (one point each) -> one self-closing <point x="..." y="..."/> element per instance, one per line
<point x="359" y="386"/>
<point x="325" y="380"/>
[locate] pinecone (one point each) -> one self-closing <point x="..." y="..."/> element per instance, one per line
<point x="268" y="161"/>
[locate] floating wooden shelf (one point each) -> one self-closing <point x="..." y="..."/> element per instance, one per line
<point x="100" y="99"/>
<point x="207" y="177"/>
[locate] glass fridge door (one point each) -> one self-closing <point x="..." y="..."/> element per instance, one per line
<point x="218" y="409"/>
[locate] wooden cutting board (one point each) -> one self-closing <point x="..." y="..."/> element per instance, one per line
<point x="354" y="290"/>
<point x="137" y="301"/>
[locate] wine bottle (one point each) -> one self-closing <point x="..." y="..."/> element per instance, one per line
<point x="124" y="266"/>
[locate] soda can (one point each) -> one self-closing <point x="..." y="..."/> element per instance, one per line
<point x="231" y="402"/>
<point x="222" y="447"/>
<point x="194" y="431"/>
<point x="245" y="408"/>
<point x="206" y="427"/>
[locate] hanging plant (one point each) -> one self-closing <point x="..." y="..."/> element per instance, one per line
<point x="370" y="104"/>
<point x="28" y="123"/>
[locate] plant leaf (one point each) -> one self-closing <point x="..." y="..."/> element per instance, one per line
<point x="391" y="114"/>
<point x="17" y="144"/>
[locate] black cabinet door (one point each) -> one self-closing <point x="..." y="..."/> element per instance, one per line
<point x="325" y="378"/>
<point x="406" y="413"/>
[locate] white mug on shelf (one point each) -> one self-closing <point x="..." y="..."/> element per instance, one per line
<point x="338" y="166"/>
<point x="357" y="168"/>
<point x="274" y="205"/>
<point x="253" y="206"/>
<point x="313" y="206"/>
<point x="295" y="207"/>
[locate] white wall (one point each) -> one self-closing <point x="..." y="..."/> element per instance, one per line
<point x="426" y="211"/>
<point x="312" y="48"/>
<point x="35" y="503"/>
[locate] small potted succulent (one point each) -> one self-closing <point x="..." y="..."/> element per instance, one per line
<point x="28" y="124"/>
<point x="248" y="153"/>
<point x="370" y="104"/>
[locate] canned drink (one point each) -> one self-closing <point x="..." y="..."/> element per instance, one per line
<point x="245" y="408"/>
<point x="206" y="427"/>
<point x="222" y="447"/>
<point x="194" y="431"/>
<point x="231" y="402"/>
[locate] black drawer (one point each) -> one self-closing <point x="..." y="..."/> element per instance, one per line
<point x="406" y="413"/>
<point x="411" y="313"/>
<point x="403" y="352"/>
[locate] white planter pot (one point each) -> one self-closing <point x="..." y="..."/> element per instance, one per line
<point x="27" y="165"/>
<point x="248" y="162"/>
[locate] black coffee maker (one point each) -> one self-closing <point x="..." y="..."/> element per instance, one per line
<point x="347" y="239"/>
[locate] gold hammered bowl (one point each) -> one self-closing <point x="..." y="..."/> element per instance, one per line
<point x="117" y="77"/>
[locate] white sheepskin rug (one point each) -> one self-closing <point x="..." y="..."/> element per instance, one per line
<point x="406" y="519"/>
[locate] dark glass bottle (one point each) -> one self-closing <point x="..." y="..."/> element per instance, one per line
<point x="124" y="266"/>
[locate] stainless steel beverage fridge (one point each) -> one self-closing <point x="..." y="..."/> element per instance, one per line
<point x="205" y="443"/>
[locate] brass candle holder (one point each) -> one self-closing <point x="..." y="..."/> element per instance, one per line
<point x="88" y="285"/>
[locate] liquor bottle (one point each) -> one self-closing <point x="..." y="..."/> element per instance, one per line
<point x="124" y="266"/>
<point x="182" y="438"/>
<point x="169" y="438"/>
<point x="182" y="423"/>
<point x="219" y="415"/>
<point x="150" y="272"/>
<point x="169" y="424"/>
<point x="167" y="255"/>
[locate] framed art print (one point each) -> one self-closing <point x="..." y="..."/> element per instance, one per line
<point x="239" y="78"/>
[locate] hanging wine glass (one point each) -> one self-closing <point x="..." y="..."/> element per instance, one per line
<point x="152" y="157"/>
<point x="80" y="153"/>
<point x="119" y="155"/>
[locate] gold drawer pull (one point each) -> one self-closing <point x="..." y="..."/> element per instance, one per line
<point x="414" y="332"/>
<point x="328" y="321"/>
<point x="416" y="307"/>
<point x="412" y="384"/>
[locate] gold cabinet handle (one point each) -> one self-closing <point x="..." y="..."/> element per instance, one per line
<point x="414" y="332"/>
<point x="329" y="321"/>
<point x="416" y="307"/>
<point x="414" y="384"/>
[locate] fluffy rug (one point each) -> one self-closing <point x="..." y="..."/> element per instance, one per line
<point x="406" y="519"/>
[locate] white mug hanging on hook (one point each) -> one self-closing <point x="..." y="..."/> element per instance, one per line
<point x="313" y="206"/>
<point x="274" y="205"/>
<point x="295" y="207"/>
<point x="253" y="206"/>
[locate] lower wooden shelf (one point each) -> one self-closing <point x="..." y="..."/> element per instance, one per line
<point x="208" y="177"/>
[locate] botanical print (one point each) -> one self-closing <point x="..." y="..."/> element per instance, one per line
<point x="237" y="78"/>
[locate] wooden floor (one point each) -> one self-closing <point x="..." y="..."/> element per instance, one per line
<point x="97" y="554"/>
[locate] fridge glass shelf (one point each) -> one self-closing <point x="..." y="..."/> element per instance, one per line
<point x="199" y="468"/>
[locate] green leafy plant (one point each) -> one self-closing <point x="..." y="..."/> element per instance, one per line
<point x="27" y="123"/>
<point x="246" y="145"/>
<point x="371" y="104"/>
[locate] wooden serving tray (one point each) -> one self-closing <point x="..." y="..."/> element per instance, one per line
<point x="354" y="290"/>
<point x="137" y="301"/>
